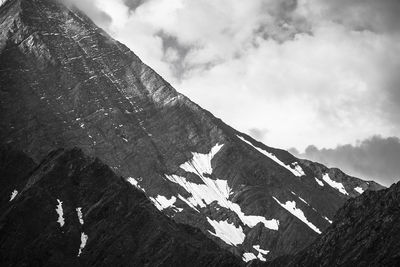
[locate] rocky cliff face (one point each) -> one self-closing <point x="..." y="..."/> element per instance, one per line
<point x="72" y="210"/>
<point x="365" y="232"/>
<point x="66" y="83"/>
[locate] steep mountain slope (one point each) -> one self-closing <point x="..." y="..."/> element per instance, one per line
<point x="365" y="232"/>
<point x="73" y="210"/>
<point x="66" y="83"/>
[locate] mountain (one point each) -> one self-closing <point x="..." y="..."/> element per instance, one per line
<point x="365" y="232"/>
<point x="76" y="211"/>
<point x="65" y="83"/>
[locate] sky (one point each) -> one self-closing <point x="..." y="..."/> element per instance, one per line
<point x="318" y="77"/>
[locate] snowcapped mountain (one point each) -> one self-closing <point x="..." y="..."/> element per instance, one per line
<point x="65" y="83"/>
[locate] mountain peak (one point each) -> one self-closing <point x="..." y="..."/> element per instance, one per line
<point x="65" y="83"/>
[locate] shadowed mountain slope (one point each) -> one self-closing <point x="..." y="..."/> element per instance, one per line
<point x="365" y="232"/>
<point x="72" y="210"/>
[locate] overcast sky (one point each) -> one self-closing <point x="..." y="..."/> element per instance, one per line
<point x="290" y="73"/>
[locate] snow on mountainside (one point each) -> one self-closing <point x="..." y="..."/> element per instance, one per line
<point x="365" y="232"/>
<point x="74" y="211"/>
<point x="295" y="168"/>
<point x="66" y="83"/>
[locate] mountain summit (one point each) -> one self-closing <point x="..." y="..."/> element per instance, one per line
<point x="66" y="83"/>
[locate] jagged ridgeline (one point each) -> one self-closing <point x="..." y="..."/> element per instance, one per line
<point x="65" y="83"/>
<point x="365" y="232"/>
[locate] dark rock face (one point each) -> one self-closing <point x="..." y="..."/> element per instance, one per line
<point x="65" y="83"/>
<point x="15" y="166"/>
<point x="122" y="226"/>
<point x="365" y="232"/>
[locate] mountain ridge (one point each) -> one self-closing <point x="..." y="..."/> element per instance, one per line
<point x="365" y="232"/>
<point x="76" y="211"/>
<point x="66" y="83"/>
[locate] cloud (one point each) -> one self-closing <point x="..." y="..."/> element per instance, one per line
<point x="258" y="133"/>
<point x="372" y="15"/>
<point x="305" y="70"/>
<point x="375" y="158"/>
<point x="100" y="17"/>
<point x="133" y="4"/>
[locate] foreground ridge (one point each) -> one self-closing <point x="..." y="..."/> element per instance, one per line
<point x="76" y="211"/>
<point x="365" y="232"/>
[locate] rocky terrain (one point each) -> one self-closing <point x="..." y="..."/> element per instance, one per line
<point x="72" y="210"/>
<point x="65" y="83"/>
<point x="365" y="232"/>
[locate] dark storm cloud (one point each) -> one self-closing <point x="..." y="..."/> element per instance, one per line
<point x="375" y="15"/>
<point x="374" y="158"/>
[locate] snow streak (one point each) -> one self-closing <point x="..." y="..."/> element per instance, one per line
<point x="228" y="232"/>
<point x="338" y="186"/>
<point x="84" y="239"/>
<point x="290" y="206"/>
<point x="296" y="169"/>
<point x="60" y="213"/>
<point x="13" y="195"/>
<point x="80" y="216"/>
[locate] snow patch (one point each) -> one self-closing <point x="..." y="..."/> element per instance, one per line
<point x="305" y="202"/>
<point x="227" y="232"/>
<point x="84" y="239"/>
<point x="248" y="257"/>
<point x="359" y="190"/>
<point x="201" y="163"/>
<point x="213" y="190"/>
<point x="217" y="190"/>
<point x="135" y="183"/>
<point x="338" y="186"/>
<point x="80" y="216"/>
<point x="261" y="253"/>
<point x="319" y="182"/>
<point x="326" y="218"/>
<point x="297" y="170"/>
<point x="60" y="213"/>
<point x="290" y="206"/>
<point x="190" y="202"/>
<point x="163" y="203"/>
<point x="13" y="195"/>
